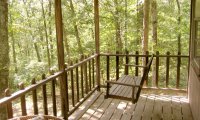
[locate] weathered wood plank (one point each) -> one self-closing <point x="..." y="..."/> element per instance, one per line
<point x="110" y="110"/>
<point x="93" y="108"/>
<point x="119" y="111"/>
<point x="148" y="110"/>
<point x="84" y="107"/>
<point x="185" y="109"/>
<point x="137" y="114"/>
<point x="157" y="111"/>
<point x="99" y="112"/>
<point x="166" y="108"/>
<point x="176" y="108"/>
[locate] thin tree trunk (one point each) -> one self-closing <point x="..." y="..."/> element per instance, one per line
<point x="4" y="54"/>
<point x="179" y="26"/>
<point x="145" y="27"/>
<point x="126" y="23"/>
<point x="46" y="35"/>
<point x="139" y="24"/>
<point x="37" y="52"/>
<point x="117" y="28"/>
<point x="76" y="29"/>
<point x="13" y="47"/>
<point x="154" y="37"/>
<point x="50" y="32"/>
<point x="67" y="46"/>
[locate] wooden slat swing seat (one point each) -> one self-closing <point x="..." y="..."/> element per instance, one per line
<point x="128" y="87"/>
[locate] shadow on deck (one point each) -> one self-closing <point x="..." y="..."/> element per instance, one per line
<point x="152" y="105"/>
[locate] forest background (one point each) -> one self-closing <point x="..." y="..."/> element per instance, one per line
<point x="32" y="35"/>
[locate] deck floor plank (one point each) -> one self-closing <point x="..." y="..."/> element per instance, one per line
<point x="148" y="110"/>
<point x="149" y="106"/>
<point x="108" y="113"/>
<point x="93" y="108"/>
<point x="157" y="111"/>
<point x="85" y="106"/>
<point x="176" y="108"/>
<point x="185" y="109"/>
<point x="119" y="111"/>
<point x="100" y="111"/>
<point x="137" y="114"/>
<point x="167" y="108"/>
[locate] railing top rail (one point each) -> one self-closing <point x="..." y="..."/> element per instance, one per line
<point x="139" y="55"/>
<point x="81" y="62"/>
<point x="19" y="93"/>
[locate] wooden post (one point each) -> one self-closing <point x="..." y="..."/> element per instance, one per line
<point x="147" y="60"/>
<point x="157" y="68"/>
<point x="136" y="62"/>
<point x="117" y="66"/>
<point x="34" y="94"/>
<point x="127" y="61"/>
<point x="60" y="49"/>
<point x="178" y="70"/>
<point x="23" y="100"/>
<point x="96" y="21"/>
<point x="44" y="93"/>
<point x="53" y="93"/>
<point x="167" y="69"/>
<point x="9" y="105"/>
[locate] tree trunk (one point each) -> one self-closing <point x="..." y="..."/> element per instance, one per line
<point x="139" y="24"/>
<point x="145" y="28"/>
<point x="66" y="43"/>
<point x="13" y="46"/>
<point x="50" y="32"/>
<point x="76" y="29"/>
<point x="117" y="28"/>
<point x="4" y="54"/>
<point x="154" y="20"/>
<point x="37" y="52"/>
<point x="46" y="35"/>
<point x="179" y="26"/>
<point x="126" y="23"/>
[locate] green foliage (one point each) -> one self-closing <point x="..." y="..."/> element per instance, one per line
<point x="26" y="23"/>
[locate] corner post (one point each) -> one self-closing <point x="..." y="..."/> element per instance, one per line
<point x="96" y="21"/>
<point x="60" y="49"/>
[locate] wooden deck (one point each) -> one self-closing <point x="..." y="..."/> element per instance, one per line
<point x="149" y="107"/>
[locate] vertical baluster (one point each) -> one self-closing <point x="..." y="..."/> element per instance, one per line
<point x="44" y="92"/>
<point x="117" y="66"/>
<point x="53" y="92"/>
<point x="167" y="69"/>
<point x="178" y="70"/>
<point x="108" y="73"/>
<point x="147" y="60"/>
<point x="82" y="88"/>
<point x="72" y="84"/>
<point x="157" y="67"/>
<point x="9" y="104"/>
<point x="23" y="100"/>
<point x="127" y="61"/>
<point x="93" y="83"/>
<point x="34" y="97"/>
<point x="77" y="82"/>
<point x="136" y="62"/>
<point x="86" y="78"/>
<point x="90" y="82"/>
<point x="67" y="90"/>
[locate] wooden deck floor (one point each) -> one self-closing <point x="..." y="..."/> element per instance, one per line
<point x="149" y="107"/>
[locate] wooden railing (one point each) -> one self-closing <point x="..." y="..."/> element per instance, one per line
<point x="79" y="75"/>
<point x="81" y="81"/>
<point x="170" y="71"/>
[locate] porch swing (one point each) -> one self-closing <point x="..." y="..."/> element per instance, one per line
<point x="128" y="87"/>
